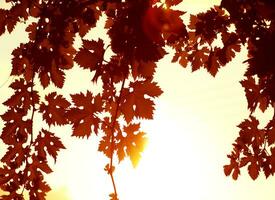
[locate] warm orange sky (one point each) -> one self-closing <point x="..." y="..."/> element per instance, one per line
<point x="194" y="126"/>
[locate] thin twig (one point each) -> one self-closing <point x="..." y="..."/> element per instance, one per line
<point x="113" y="138"/>
<point x="33" y="106"/>
<point x="7" y="81"/>
<point x="273" y="105"/>
<point x="31" y="142"/>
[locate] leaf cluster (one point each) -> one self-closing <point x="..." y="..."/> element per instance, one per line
<point x="139" y="33"/>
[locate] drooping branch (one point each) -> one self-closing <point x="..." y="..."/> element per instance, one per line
<point x="113" y="137"/>
<point x="33" y="106"/>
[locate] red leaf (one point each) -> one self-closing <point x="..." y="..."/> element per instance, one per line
<point x="39" y="164"/>
<point x="22" y="98"/>
<point x="267" y="168"/>
<point x="183" y="61"/>
<point x="212" y="64"/>
<point x="263" y="103"/>
<point x="3" y="16"/>
<point x="236" y="173"/>
<point x="15" y="154"/>
<point x="172" y="2"/>
<point x="57" y="76"/>
<point x="135" y="103"/>
<point x="21" y="63"/>
<point x="253" y="170"/>
<point x="85" y="59"/>
<point x="32" y="28"/>
<point x="132" y="144"/>
<point x="16" y="129"/>
<point x="83" y="116"/>
<point x="105" y="145"/>
<point x="47" y="142"/>
<point x="270" y="132"/>
<point x="44" y="79"/>
<point x="90" y="56"/>
<point x="143" y="69"/>
<point x="244" y="161"/>
<point x="55" y="110"/>
<point x="272" y="161"/>
<point x="227" y="169"/>
<point x="252" y="92"/>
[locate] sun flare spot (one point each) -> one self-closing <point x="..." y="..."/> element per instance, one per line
<point x="171" y="165"/>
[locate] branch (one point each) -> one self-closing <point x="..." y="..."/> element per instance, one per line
<point x="31" y="142"/>
<point x="112" y="137"/>
<point x="33" y="106"/>
<point x="273" y="105"/>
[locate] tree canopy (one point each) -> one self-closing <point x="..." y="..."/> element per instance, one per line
<point x="139" y="32"/>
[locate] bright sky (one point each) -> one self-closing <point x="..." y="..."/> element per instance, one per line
<point x="194" y="127"/>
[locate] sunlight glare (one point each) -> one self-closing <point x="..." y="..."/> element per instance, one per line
<point x="171" y="165"/>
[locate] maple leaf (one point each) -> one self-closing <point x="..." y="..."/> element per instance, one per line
<point x="272" y="160"/>
<point x="34" y="9"/>
<point x="57" y="76"/>
<point x="90" y="56"/>
<point x="134" y="104"/>
<point x="15" y="154"/>
<point x="264" y="102"/>
<point x="212" y="64"/>
<point x="227" y="169"/>
<point x="37" y="186"/>
<point x="16" y="128"/>
<point x="54" y="111"/>
<point x="22" y="98"/>
<point x="36" y="167"/>
<point x="245" y="160"/>
<point x="44" y="79"/>
<point x="114" y="71"/>
<point x="128" y="37"/>
<point x="267" y="167"/>
<point x="32" y="30"/>
<point x="231" y="45"/>
<point x="12" y="196"/>
<point x="252" y="92"/>
<point x="236" y="173"/>
<point x="3" y="16"/>
<point x="182" y="56"/>
<point x="19" y="60"/>
<point x="138" y="33"/>
<point x="83" y="115"/>
<point x="216" y="19"/>
<point x="21" y="63"/>
<point x="47" y="142"/>
<point x="132" y="144"/>
<point x="253" y="170"/>
<point x="143" y="69"/>
<point x="249" y="129"/>
<point x="105" y="145"/>
<point x="170" y="3"/>
<point x="270" y="132"/>
<point x="199" y="58"/>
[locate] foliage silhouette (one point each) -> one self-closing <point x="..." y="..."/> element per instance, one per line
<point x="139" y="31"/>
